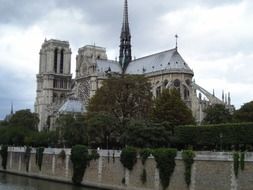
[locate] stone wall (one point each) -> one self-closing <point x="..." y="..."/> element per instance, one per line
<point x="211" y="171"/>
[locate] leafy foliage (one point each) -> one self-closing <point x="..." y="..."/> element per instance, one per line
<point x="212" y="135"/>
<point x="216" y="114"/>
<point x="27" y="157"/>
<point x="62" y="155"/>
<point x="236" y="163"/>
<point x="142" y="134"/>
<point x="103" y="129"/>
<point x="144" y="154"/>
<point x="4" y="155"/>
<point x="72" y="130"/>
<point x="39" y="156"/>
<point x="245" y="113"/>
<point x="188" y="158"/>
<point x="128" y="157"/>
<point x="242" y="160"/>
<point x="24" y="119"/>
<point x="19" y="137"/>
<point x="169" y="107"/>
<point x="43" y="138"/>
<point x="79" y="158"/>
<point x="93" y="155"/>
<point x="124" y="97"/>
<point x="165" y="162"/>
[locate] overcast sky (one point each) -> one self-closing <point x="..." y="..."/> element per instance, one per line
<point x="215" y="39"/>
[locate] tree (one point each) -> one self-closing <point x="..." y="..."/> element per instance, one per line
<point x="216" y="114"/>
<point x="25" y="119"/>
<point x="145" y="135"/>
<point x="72" y="130"/>
<point x="245" y="113"/>
<point x="169" y="107"/>
<point x="103" y="130"/>
<point x="124" y="97"/>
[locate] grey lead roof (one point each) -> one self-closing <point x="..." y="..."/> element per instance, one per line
<point x="72" y="106"/>
<point x="104" y="65"/>
<point x="169" y="60"/>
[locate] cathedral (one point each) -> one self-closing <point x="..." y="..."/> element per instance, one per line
<point x="58" y="93"/>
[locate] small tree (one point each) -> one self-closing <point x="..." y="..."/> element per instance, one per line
<point x="128" y="157"/>
<point x="245" y="113"/>
<point x="72" y="130"/>
<point x="125" y="97"/>
<point x="80" y="158"/>
<point x="102" y="129"/>
<point x="25" y="119"/>
<point x="169" y="107"/>
<point x="4" y="155"/>
<point x="216" y="114"/>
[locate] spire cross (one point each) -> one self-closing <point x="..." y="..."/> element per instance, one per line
<point x="176" y="36"/>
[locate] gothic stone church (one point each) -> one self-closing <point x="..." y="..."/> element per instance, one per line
<point x="58" y="93"/>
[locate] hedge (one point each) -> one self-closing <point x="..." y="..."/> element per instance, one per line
<point x="210" y="135"/>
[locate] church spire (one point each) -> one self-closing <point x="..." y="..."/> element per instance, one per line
<point x="11" y="108"/>
<point x="125" y="54"/>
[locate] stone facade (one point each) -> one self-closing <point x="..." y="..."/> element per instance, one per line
<point x="210" y="171"/>
<point x="53" y="80"/>
<point x="166" y="69"/>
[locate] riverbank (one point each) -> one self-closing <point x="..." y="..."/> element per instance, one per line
<point x="211" y="170"/>
<point x="16" y="182"/>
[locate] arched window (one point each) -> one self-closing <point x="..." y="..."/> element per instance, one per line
<point x="55" y="97"/>
<point x="158" y="91"/>
<point x="61" y="61"/>
<point x="186" y="93"/>
<point x="62" y="97"/>
<point x="55" y="60"/>
<point x="55" y="83"/>
<point x="177" y="83"/>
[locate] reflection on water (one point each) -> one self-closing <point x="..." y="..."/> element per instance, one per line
<point x="13" y="182"/>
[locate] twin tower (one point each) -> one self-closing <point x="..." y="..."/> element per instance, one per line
<point x="54" y="81"/>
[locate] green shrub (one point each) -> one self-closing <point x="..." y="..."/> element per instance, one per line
<point x="215" y="135"/>
<point x="165" y="162"/>
<point x="242" y="160"/>
<point x="236" y="163"/>
<point x="39" y="156"/>
<point x="27" y="157"/>
<point x="188" y="158"/>
<point x="79" y="157"/>
<point x="128" y="157"/>
<point x="62" y="155"/>
<point x="4" y="155"/>
<point x="144" y="154"/>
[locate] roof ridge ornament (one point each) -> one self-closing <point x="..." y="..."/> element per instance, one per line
<point x="176" y="36"/>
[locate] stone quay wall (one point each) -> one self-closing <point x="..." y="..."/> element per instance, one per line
<point x="210" y="171"/>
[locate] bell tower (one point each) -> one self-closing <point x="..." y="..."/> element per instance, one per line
<point x="53" y="80"/>
<point x="125" y="54"/>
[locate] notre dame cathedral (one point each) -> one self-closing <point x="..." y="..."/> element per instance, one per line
<point x="58" y="93"/>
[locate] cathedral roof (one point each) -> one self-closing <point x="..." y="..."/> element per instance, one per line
<point x="169" y="61"/>
<point x="108" y="65"/>
<point x="72" y="106"/>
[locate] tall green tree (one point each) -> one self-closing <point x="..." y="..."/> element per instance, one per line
<point x="245" y="113"/>
<point x="169" y="107"/>
<point x="25" y="119"/>
<point x="145" y="135"/>
<point x="125" y="97"/>
<point x="216" y="114"/>
<point x="103" y="130"/>
<point x="72" y="130"/>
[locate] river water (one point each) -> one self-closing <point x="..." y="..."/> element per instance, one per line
<point x="13" y="182"/>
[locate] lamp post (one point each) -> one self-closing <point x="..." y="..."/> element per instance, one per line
<point x="221" y="136"/>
